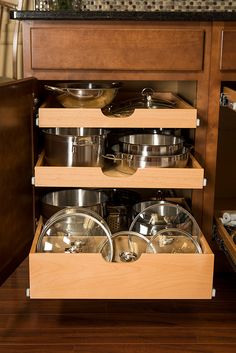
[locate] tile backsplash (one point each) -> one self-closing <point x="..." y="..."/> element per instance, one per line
<point x="150" y="5"/>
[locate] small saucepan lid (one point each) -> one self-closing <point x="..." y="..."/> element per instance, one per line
<point x="128" y="246"/>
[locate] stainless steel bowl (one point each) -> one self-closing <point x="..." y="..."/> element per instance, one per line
<point x="84" y="95"/>
<point x="55" y="201"/>
<point x="151" y="144"/>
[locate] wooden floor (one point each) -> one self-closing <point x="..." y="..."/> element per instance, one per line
<point x="82" y="326"/>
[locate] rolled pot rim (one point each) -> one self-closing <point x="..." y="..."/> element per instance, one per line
<point x="88" y="86"/>
<point x="47" y="131"/>
<point x="179" y="141"/>
<point x="121" y="156"/>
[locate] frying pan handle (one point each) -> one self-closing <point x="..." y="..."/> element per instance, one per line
<point x="54" y="89"/>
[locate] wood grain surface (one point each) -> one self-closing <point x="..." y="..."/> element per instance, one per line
<point x="114" y="326"/>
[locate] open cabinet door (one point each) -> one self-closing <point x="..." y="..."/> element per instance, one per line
<point x="16" y="170"/>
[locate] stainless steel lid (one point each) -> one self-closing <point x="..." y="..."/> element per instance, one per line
<point x="128" y="246"/>
<point x="75" y="230"/>
<point x="164" y="215"/>
<point x="174" y="241"/>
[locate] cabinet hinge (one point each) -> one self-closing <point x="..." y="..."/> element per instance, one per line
<point x="33" y="180"/>
<point x="205" y="182"/>
<point x="198" y="122"/>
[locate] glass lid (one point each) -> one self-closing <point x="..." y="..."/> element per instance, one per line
<point x="75" y="230"/>
<point x="174" y="241"/>
<point x="128" y="246"/>
<point x="164" y="215"/>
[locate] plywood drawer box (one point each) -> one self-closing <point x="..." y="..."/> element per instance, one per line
<point x="230" y="94"/>
<point x="228" y="50"/>
<point x="191" y="177"/>
<point x="225" y="236"/>
<point x="152" y="276"/>
<point x="182" y="116"/>
<point x="110" y="46"/>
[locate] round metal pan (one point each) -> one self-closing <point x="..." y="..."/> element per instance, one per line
<point x="151" y="144"/>
<point x="128" y="163"/>
<point x="84" y="95"/>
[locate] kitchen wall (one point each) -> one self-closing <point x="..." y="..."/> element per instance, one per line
<point x="7" y="25"/>
<point x="166" y="5"/>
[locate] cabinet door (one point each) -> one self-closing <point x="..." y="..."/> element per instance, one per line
<point x="16" y="165"/>
<point x="228" y="50"/>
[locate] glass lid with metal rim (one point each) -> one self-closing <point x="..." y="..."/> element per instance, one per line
<point x="75" y="230"/>
<point x="174" y="241"/>
<point x="128" y="246"/>
<point x="164" y="215"/>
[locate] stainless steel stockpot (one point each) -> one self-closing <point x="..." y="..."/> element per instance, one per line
<point x="74" y="146"/>
<point x="151" y="144"/>
<point x="54" y="201"/>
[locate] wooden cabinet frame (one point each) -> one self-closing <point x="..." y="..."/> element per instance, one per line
<point x="198" y="41"/>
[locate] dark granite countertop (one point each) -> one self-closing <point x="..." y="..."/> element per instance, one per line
<point x="124" y="15"/>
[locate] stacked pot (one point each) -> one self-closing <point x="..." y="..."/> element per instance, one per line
<point x="149" y="150"/>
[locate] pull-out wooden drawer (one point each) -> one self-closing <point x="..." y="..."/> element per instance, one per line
<point x="182" y="116"/>
<point x="191" y="177"/>
<point x="229" y="244"/>
<point x="228" y="50"/>
<point x="69" y="47"/>
<point x="152" y="276"/>
<point x="230" y="95"/>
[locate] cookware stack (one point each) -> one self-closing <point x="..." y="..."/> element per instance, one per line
<point x="156" y="227"/>
<point x="148" y="150"/>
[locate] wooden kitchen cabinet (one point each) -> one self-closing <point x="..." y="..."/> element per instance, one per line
<point x="183" y="53"/>
<point x="193" y="274"/>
